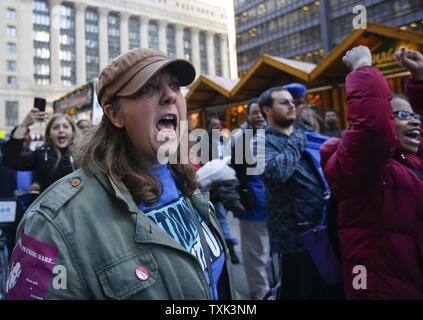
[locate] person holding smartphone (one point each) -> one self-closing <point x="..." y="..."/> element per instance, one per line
<point x="52" y="160"/>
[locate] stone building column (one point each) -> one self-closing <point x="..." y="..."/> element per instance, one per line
<point x="144" y="31"/>
<point x="81" y="74"/>
<point x="103" y="37"/>
<point x="179" y="30"/>
<point x="25" y="69"/>
<point x="55" y="70"/>
<point x="225" y="55"/>
<point x="163" y="36"/>
<point x="210" y="53"/>
<point x="124" y="32"/>
<point x="195" y="41"/>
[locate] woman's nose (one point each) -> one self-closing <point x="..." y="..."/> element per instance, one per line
<point x="414" y="121"/>
<point x="169" y="95"/>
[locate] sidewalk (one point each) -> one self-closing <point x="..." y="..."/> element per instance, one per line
<point x="238" y="269"/>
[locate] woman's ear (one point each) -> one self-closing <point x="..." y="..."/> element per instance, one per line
<point x="114" y="115"/>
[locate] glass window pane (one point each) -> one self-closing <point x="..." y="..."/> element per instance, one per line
<point x="91" y="44"/>
<point x="11" y="13"/>
<point x="41" y="41"/>
<point x="134" y="33"/>
<point x="12" y="113"/>
<point x="67" y="52"/>
<point x="171" y="41"/>
<point x="11" y="31"/>
<point x="11" y="65"/>
<point x="187" y="44"/>
<point x="11" y="48"/>
<point x="203" y="53"/>
<point x="153" y="35"/>
<point x="217" y="55"/>
<point x="114" y="35"/>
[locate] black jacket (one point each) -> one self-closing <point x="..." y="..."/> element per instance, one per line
<point x="43" y="161"/>
<point x="7" y="178"/>
<point x="332" y="131"/>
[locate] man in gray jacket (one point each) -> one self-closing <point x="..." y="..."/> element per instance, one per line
<point x="295" y="193"/>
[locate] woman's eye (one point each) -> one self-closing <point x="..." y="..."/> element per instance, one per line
<point x="175" y="86"/>
<point x="147" y="88"/>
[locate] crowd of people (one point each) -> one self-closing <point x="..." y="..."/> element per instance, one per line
<point x="128" y="226"/>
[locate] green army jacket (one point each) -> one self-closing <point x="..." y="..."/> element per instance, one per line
<point x="102" y="237"/>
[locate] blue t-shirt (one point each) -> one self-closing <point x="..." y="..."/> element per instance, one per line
<point x="173" y="216"/>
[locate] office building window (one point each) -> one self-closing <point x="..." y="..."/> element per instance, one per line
<point x="11" y="13"/>
<point x="41" y="36"/>
<point x="41" y="41"/>
<point x="217" y="55"/>
<point x="12" y="113"/>
<point x="11" y="80"/>
<point x="203" y="52"/>
<point x="11" y="31"/>
<point x="171" y="41"/>
<point x="11" y="65"/>
<point x="153" y="35"/>
<point x="134" y="33"/>
<point x="340" y="4"/>
<point x="92" y="61"/>
<point x="187" y="44"/>
<point x="67" y="52"/>
<point x="42" y="69"/>
<point x="342" y="26"/>
<point x="11" y="48"/>
<point x="113" y="23"/>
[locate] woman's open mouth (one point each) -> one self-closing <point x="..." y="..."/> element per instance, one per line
<point x="167" y="122"/>
<point x="413" y="136"/>
<point x="62" y="140"/>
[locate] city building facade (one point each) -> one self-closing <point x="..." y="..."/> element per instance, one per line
<point x="51" y="47"/>
<point x="307" y="30"/>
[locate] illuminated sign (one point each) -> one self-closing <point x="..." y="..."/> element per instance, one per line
<point x="384" y="56"/>
<point x="76" y="100"/>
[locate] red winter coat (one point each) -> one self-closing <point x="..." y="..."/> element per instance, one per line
<point x="380" y="200"/>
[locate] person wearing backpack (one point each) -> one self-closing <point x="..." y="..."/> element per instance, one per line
<point x="375" y="172"/>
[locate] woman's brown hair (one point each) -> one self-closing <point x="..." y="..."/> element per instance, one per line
<point x="110" y="150"/>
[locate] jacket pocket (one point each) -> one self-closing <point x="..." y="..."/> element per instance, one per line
<point x="119" y="279"/>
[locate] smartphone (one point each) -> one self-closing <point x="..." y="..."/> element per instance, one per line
<point x="40" y="103"/>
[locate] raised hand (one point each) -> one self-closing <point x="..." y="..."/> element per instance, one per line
<point x="34" y="115"/>
<point x="358" y="57"/>
<point x="412" y="61"/>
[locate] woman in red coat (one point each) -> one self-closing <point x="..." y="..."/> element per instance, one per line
<point x="375" y="171"/>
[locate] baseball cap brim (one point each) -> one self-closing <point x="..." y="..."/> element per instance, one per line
<point x="185" y="72"/>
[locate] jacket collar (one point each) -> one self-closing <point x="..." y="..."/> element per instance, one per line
<point x="110" y="186"/>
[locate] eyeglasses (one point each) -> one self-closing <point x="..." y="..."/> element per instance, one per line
<point x="405" y="115"/>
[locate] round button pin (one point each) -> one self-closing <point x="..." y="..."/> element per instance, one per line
<point x="141" y="273"/>
<point x="76" y="182"/>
